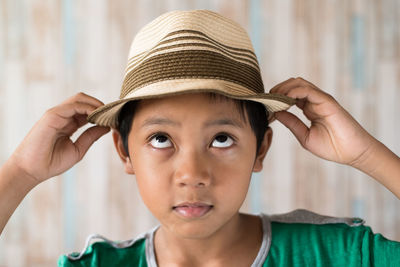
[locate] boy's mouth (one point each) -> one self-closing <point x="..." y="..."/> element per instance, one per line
<point x="192" y="209"/>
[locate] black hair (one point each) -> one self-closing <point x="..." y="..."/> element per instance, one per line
<point x="257" y="116"/>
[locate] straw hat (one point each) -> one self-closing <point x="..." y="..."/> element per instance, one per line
<point x="191" y="51"/>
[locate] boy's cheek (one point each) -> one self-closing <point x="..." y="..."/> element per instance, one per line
<point x="234" y="160"/>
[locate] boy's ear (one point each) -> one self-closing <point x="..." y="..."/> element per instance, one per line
<point x="262" y="152"/>
<point x="119" y="146"/>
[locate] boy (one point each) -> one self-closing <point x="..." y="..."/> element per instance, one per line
<point x="192" y="125"/>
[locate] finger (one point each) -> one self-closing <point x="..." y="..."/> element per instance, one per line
<point x="283" y="88"/>
<point x="310" y="94"/>
<point x="74" y="124"/>
<point x="80" y="120"/>
<point x="84" y="98"/>
<point x="275" y="88"/>
<point x="88" y="137"/>
<point x="72" y="109"/>
<point x="298" y="82"/>
<point x="309" y="83"/>
<point x="62" y="115"/>
<point x="300" y="103"/>
<point x="295" y="125"/>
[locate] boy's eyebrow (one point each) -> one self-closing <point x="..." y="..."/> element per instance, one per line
<point x="159" y="121"/>
<point x="224" y="121"/>
<point x="165" y="121"/>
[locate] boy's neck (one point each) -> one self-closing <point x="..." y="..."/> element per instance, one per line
<point x="236" y="244"/>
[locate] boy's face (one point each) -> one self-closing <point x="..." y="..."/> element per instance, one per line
<point x="193" y="158"/>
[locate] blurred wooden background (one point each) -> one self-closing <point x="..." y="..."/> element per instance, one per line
<point x="50" y="50"/>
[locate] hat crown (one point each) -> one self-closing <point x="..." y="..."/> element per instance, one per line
<point x="208" y="22"/>
<point x="191" y="44"/>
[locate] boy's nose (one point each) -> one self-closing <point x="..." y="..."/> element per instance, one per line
<point x="192" y="170"/>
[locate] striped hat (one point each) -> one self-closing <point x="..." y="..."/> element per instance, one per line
<point x="191" y="51"/>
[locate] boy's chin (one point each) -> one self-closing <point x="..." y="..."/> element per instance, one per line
<point x="192" y="230"/>
<point x="197" y="229"/>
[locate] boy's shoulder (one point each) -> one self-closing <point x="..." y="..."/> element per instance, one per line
<point x="301" y="228"/>
<point x="104" y="252"/>
<point x="303" y="237"/>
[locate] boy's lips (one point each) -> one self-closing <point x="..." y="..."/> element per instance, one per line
<point x="192" y="209"/>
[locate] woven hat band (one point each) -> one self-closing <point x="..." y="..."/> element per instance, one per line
<point x="198" y="64"/>
<point x="190" y="85"/>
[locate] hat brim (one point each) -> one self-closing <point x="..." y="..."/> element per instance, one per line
<point x="107" y="115"/>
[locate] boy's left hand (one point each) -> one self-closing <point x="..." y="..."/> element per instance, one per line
<point x="334" y="134"/>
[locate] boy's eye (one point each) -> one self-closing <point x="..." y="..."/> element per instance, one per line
<point x="222" y="140"/>
<point x="160" y="141"/>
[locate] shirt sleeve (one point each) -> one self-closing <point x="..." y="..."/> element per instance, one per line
<point x="330" y="245"/>
<point x="379" y="251"/>
<point x="103" y="254"/>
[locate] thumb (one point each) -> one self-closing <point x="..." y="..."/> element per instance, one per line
<point x="88" y="137"/>
<point x="294" y="124"/>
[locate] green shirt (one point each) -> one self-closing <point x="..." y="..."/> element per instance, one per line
<point x="298" y="238"/>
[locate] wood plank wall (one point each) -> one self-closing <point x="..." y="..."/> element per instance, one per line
<point x="50" y="50"/>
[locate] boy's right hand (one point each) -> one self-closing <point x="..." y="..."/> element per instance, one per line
<point x="47" y="150"/>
